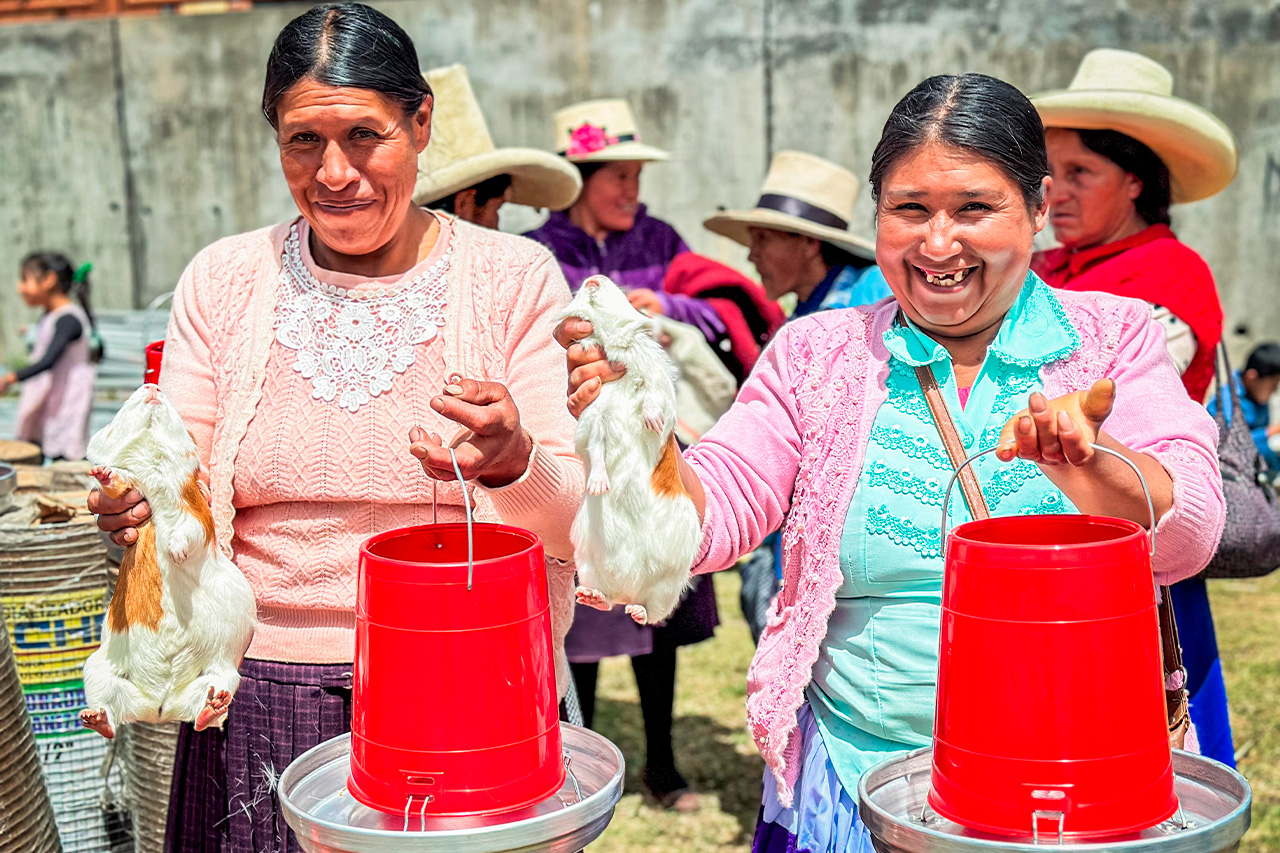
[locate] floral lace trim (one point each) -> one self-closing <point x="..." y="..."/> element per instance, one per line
<point x="902" y="482"/>
<point x="917" y="447"/>
<point x="927" y="542"/>
<point x="905" y="394"/>
<point x="1052" y="503"/>
<point x="1008" y="480"/>
<point x="351" y="344"/>
<point x="1041" y="299"/>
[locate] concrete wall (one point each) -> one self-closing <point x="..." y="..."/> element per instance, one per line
<point x="133" y="143"/>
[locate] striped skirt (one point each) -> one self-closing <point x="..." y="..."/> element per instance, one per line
<point x="224" y="784"/>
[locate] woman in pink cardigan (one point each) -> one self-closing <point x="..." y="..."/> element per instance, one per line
<point x="313" y="362"/>
<point x="832" y="437"/>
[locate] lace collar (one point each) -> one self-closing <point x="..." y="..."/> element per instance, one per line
<point x="352" y="343"/>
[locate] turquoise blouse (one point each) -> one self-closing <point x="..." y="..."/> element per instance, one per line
<point x="873" y="685"/>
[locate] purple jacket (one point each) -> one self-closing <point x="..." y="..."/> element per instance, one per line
<point x="632" y="259"/>
<point x="792" y="445"/>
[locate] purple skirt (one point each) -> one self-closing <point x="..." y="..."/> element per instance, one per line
<point x="224" y="782"/>
<point x="597" y="634"/>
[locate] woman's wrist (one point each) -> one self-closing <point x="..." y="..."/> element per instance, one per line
<point x="520" y="453"/>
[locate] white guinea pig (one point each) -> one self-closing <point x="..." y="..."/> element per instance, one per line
<point x="182" y="614"/>
<point x="637" y="532"/>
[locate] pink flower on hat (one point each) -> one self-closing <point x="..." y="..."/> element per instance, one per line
<point x="588" y="139"/>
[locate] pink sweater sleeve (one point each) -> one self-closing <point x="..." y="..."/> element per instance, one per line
<point x="186" y="372"/>
<point x="1154" y="415"/>
<point x="748" y="461"/>
<point x="547" y="497"/>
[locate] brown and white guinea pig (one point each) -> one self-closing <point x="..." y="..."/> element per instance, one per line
<point x="182" y="615"/>
<point x="637" y="532"/>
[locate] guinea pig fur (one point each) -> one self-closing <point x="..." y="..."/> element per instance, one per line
<point x="182" y="614"/>
<point x="637" y="532"/>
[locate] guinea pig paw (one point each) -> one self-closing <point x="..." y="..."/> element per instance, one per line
<point x="638" y="613"/>
<point x="214" y="710"/>
<point x="592" y="598"/>
<point x="97" y="720"/>
<point x="655" y="421"/>
<point x="597" y="483"/>
<point x="178" y="554"/>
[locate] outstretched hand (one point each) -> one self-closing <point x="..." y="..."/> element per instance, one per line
<point x="1060" y="431"/>
<point x="493" y="449"/>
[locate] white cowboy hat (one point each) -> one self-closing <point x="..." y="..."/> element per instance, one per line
<point x="1130" y="93"/>
<point x="802" y="194"/>
<point x="461" y="153"/>
<point x="601" y="132"/>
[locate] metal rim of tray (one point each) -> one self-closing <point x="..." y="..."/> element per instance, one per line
<point x="594" y="809"/>
<point x="1220" y="834"/>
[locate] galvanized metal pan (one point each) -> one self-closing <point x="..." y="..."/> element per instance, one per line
<point x="327" y="819"/>
<point x="1214" y="814"/>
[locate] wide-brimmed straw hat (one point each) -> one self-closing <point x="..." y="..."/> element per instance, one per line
<point x="1133" y="94"/>
<point x="802" y="194"/>
<point x="601" y="132"/>
<point x="461" y="153"/>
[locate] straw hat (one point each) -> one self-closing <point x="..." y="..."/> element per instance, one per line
<point x="461" y="153"/>
<point x="601" y="132"/>
<point x="802" y="194"/>
<point x="1130" y="93"/>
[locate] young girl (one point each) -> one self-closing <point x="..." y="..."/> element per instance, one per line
<point x="57" y="390"/>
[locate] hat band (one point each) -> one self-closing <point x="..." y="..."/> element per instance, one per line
<point x="795" y="207"/>
<point x="590" y="138"/>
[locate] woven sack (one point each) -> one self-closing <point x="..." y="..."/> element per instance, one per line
<point x="1250" y="545"/>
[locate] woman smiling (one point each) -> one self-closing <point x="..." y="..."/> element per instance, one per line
<point x="312" y="362"/>
<point x="834" y="436"/>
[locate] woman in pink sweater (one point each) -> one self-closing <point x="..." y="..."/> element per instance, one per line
<point x="312" y="362"/>
<point x="832" y="437"/>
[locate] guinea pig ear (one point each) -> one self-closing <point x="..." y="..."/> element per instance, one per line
<point x="592" y="283"/>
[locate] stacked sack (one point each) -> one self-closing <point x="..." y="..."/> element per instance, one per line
<point x="53" y="593"/>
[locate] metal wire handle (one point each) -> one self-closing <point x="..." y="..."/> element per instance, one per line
<point x="1151" y="510"/>
<point x="466" y="506"/>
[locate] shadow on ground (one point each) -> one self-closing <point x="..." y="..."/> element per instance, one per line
<point x="714" y="758"/>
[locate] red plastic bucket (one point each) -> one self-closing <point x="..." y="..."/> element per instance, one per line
<point x="154" y="352"/>
<point x="454" y="709"/>
<point x="1050" y="711"/>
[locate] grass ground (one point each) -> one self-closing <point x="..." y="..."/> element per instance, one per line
<point x="718" y="757"/>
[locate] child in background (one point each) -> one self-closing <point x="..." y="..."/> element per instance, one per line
<point x="57" y="387"/>
<point x="1254" y="386"/>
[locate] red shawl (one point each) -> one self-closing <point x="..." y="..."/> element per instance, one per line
<point x="749" y="316"/>
<point x="1152" y="265"/>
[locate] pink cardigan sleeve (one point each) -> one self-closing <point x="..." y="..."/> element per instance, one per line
<point x="186" y="372"/>
<point x="546" y="498"/>
<point x="1154" y="415"/>
<point x="748" y="461"/>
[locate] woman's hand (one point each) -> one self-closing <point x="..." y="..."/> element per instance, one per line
<point x="1058" y="431"/>
<point x="495" y="450"/>
<point x="120" y="516"/>
<point x="644" y="299"/>
<point x="8" y="381"/>
<point x="588" y="368"/>
<point x="1057" y="434"/>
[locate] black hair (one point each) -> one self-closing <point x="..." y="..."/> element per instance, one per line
<point x="1265" y="358"/>
<point x="973" y="112"/>
<point x="834" y="256"/>
<point x="586" y="170"/>
<point x="486" y="191"/>
<point x="345" y="44"/>
<point x="1140" y="161"/>
<point x="71" y="280"/>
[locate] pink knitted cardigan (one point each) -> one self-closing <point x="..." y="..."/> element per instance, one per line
<point x="791" y="448"/>
<point x="503" y="296"/>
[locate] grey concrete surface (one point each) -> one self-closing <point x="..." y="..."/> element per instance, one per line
<point x="134" y="143"/>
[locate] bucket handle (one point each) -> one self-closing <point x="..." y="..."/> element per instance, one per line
<point x="1151" y="510"/>
<point x="466" y="505"/>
